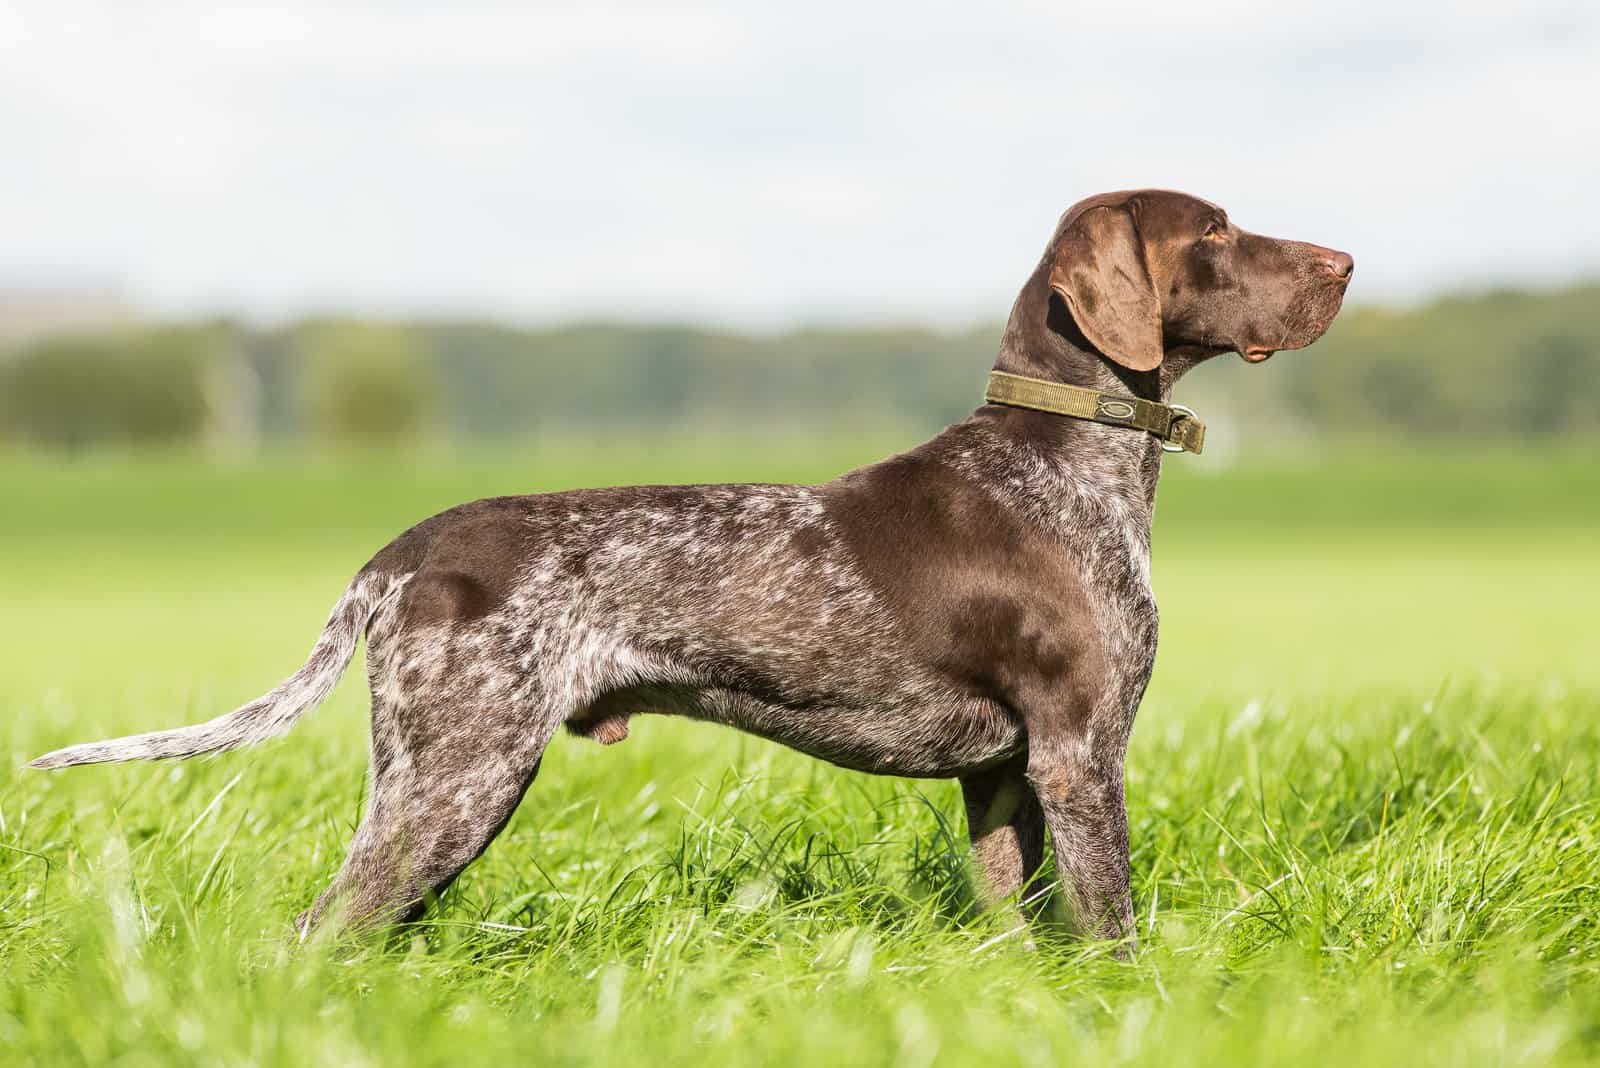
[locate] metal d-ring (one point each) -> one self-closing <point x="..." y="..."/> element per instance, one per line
<point x="1185" y="411"/>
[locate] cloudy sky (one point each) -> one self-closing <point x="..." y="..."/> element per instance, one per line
<point x="765" y="164"/>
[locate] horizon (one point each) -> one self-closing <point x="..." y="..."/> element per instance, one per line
<point x="127" y="312"/>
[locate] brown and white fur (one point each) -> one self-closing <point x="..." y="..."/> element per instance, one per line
<point x="976" y="608"/>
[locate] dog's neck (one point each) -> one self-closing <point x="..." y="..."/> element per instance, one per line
<point x="1041" y="340"/>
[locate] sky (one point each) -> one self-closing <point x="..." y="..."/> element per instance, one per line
<point x="764" y="165"/>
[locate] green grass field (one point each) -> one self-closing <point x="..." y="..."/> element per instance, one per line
<point x="1363" y="788"/>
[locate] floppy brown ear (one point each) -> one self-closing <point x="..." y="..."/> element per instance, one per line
<point x="1099" y="271"/>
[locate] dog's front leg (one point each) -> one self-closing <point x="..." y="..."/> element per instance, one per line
<point x="1007" y="831"/>
<point x="1080" y="791"/>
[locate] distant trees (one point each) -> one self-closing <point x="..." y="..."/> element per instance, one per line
<point x="1561" y="395"/>
<point x="1493" y="365"/>
<point x="362" y="384"/>
<point x="366" y="383"/>
<point x="126" y="387"/>
<point x="1501" y="364"/>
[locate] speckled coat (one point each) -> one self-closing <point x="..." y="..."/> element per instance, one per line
<point x="977" y="608"/>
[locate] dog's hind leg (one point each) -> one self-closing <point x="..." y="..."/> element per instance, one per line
<point x="1007" y="830"/>
<point x="445" y="781"/>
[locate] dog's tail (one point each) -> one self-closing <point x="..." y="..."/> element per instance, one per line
<point x="268" y="715"/>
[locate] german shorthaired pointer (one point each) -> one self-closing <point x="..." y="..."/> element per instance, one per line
<point x="976" y="608"/>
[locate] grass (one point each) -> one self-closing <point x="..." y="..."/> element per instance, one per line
<point x="1363" y="787"/>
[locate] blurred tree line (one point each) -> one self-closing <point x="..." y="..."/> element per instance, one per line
<point x="1504" y="364"/>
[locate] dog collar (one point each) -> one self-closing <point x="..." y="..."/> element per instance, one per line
<point x="1179" y="429"/>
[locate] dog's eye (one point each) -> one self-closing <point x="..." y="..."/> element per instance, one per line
<point x="1214" y="231"/>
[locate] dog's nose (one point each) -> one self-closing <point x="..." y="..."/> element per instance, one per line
<point x="1338" y="264"/>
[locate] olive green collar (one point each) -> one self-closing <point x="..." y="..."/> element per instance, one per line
<point x="1178" y="428"/>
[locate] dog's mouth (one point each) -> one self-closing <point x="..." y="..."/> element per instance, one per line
<point x="1303" y="322"/>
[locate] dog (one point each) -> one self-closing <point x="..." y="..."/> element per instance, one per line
<point x="977" y="608"/>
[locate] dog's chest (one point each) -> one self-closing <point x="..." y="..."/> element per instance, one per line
<point x="1118" y="577"/>
<point x="1107" y="539"/>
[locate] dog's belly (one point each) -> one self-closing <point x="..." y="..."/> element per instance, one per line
<point x="939" y="738"/>
<point x="924" y="742"/>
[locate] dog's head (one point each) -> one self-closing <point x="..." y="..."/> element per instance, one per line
<point x="1149" y="271"/>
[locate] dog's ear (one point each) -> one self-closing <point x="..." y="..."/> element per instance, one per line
<point x="1099" y="271"/>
